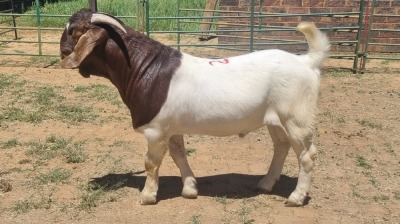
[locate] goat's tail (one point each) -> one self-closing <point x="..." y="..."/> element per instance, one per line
<point x="318" y="43"/>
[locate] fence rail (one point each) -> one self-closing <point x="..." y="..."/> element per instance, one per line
<point x="235" y="32"/>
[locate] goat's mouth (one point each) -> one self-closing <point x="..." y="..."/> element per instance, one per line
<point x="85" y="73"/>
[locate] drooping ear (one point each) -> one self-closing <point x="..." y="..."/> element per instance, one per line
<point x="86" y="43"/>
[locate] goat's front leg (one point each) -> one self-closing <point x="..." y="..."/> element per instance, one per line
<point x="155" y="154"/>
<point x="178" y="154"/>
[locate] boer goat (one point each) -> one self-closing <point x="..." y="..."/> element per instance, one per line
<point x="170" y="93"/>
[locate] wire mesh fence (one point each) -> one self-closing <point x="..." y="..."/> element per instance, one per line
<point x="216" y="30"/>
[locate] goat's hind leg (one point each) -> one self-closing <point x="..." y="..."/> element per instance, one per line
<point x="305" y="152"/>
<point x="281" y="148"/>
<point x="178" y="154"/>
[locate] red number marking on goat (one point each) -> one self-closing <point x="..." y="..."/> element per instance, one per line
<point x="222" y="61"/>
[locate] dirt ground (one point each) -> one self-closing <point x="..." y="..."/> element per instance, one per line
<point x="356" y="176"/>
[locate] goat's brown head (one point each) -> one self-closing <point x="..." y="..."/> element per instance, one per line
<point x="84" y="32"/>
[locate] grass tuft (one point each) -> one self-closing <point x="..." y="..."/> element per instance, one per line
<point x="370" y="124"/>
<point x="24" y="206"/>
<point x="362" y="162"/>
<point x="9" y="144"/>
<point x="190" y="151"/>
<point x="5" y="186"/>
<point x="195" y="219"/>
<point x="75" y="113"/>
<point x="72" y="152"/>
<point x="55" y="176"/>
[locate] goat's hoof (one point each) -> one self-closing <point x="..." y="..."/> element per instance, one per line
<point x="295" y="200"/>
<point x="147" y="199"/>
<point x="189" y="192"/>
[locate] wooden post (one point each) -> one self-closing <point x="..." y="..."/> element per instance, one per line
<point x="210" y="5"/>
<point x="93" y="5"/>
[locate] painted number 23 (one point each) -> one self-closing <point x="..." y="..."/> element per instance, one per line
<point x="222" y="61"/>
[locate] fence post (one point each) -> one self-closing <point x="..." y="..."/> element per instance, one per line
<point x="13" y="19"/>
<point x="178" y="23"/>
<point x="147" y="17"/>
<point x="252" y="26"/>
<point x="38" y="22"/>
<point x="371" y="15"/>
<point x="206" y="24"/>
<point x="93" y="5"/>
<point x="359" y="54"/>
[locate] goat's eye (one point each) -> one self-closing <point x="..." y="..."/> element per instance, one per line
<point x="76" y="34"/>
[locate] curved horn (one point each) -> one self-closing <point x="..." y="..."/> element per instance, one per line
<point x="105" y="19"/>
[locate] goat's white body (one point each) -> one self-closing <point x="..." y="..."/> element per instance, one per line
<point x="246" y="93"/>
<point x="236" y="95"/>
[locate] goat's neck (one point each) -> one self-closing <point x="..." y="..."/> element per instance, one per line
<point x="144" y="84"/>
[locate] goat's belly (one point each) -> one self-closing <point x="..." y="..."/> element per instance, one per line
<point x="219" y="127"/>
<point x="222" y="130"/>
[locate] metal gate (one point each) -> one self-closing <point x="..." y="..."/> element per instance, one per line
<point x="246" y="31"/>
<point x="43" y="33"/>
<point x="229" y="32"/>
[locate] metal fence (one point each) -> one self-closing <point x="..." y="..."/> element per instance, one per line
<point x="39" y="36"/>
<point x="371" y="31"/>
<point x="231" y="32"/>
<point x="248" y="34"/>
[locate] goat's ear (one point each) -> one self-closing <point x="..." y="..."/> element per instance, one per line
<point x="86" y="43"/>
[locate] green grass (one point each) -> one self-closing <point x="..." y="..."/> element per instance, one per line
<point x="381" y="197"/>
<point x="55" y="146"/>
<point x="44" y="59"/>
<point x="190" y="151"/>
<point x="12" y="114"/>
<point x="114" y="164"/>
<point x="389" y="147"/>
<point x="33" y="102"/>
<point x="223" y="200"/>
<point x="25" y="206"/>
<point x="95" y="193"/>
<point x="5" y="185"/>
<point x="195" y="219"/>
<point x="24" y="161"/>
<point x="341" y="119"/>
<point x="397" y="195"/>
<point x="357" y="194"/>
<point x="45" y="96"/>
<point x="159" y="8"/>
<point x="5" y="82"/>
<point x="90" y="199"/>
<point x="362" y="162"/>
<point x="370" y="124"/>
<point x="56" y="176"/>
<point x="100" y="93"/>
<point x="9" y="144"/>
<point x="125" y="145"/>
<point x="243" y="213"/>
<point x="335" y="72"/>
<point x="75" y="113"/>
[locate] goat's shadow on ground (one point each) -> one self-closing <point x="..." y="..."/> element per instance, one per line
<point x="232" y="185"/>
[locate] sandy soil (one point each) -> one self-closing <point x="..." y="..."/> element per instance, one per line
<point x="356" y="176"/>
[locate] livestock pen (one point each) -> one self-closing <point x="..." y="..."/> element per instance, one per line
<point x="358" y="30"/>
<point x="68" y="153"/>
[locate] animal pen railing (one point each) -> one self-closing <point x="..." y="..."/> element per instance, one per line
<point x="232" y="31"/>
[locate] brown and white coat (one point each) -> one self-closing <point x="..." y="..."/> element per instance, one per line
<point x="170" y="94"/>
